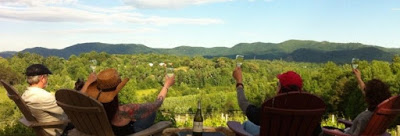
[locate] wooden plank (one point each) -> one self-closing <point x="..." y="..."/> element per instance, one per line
<point x="63" y="96"/>
<point x="285" y="125"/>
<point x="236" y="127"/>
<point x="71" y="99"/>
<point x="91" y="126"/>
<point x="275" y="125"/>
<point x="102" y="126"/>
<point x="291" y="114"/>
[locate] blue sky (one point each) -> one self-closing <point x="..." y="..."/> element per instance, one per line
<point x="204" y="23"/>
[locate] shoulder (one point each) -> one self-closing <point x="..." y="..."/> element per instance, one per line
<point x="37" y="95"/>
<point x="364" y="116"/>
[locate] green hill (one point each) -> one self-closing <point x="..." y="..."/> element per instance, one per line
<point x="292" y="50"/>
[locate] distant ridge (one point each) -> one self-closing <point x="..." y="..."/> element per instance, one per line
<point x="7" y="54"/>
<point x="291" y="50"/>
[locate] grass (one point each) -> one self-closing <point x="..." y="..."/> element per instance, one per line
<point x="181" y="68"/>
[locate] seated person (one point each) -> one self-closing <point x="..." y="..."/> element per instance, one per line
<point x="42" y="103"/>
<point x="288" y="82"/>
<point x="124" y="119"/>
<point x="375" y="92"/>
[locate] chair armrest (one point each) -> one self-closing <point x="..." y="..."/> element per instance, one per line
<point x="154" y="129"/>
<point x="333" y="132"/>
<point x="345" y="122"/>
<point x="237" y="128"/>
<point x="43" y="124"/>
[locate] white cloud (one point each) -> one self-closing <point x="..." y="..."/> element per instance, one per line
<point x="94" y="15"/>
<point x="35" y="2"/>
<point x="396" y="9"/>
<point x="103" y="30"/>
<point x="50" y="14"/>
<point x="166" y="21"/>
<point x="168" y="4"/>
<point x="118" y="9"/>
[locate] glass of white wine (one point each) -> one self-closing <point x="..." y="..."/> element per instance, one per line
<point x="239" y="60"/>
<point x="93" y="65"/>
<point x="354" y="63"/>
<point x="170" y="70"/>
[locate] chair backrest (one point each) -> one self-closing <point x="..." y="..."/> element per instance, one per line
<point x="87" y="114"/>
<point x="13" y="95"/>
<point x="384" y="114"/>
<point x="293" y="113"/>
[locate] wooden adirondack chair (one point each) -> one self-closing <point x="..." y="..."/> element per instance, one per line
<point x="90" y="118"/>
<point x="288" y="114"/>
<point x="384" y="114"/>
<point x="29" y="120"/>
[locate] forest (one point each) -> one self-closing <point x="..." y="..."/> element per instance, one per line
<point x="199" y="78"/>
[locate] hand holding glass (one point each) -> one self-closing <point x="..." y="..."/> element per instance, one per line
<point x="354" y="63"/>
<point x="239" y="60"/>
<point x="93" y="65"/>
<point x="170" y="72"/>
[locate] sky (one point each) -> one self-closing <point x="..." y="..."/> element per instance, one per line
<point x="57" y="24"/>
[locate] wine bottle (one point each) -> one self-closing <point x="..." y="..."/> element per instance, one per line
<point x="198" y="122"/>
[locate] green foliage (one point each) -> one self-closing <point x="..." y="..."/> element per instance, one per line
<point x="331" y="120"/>
<point x="166" y="117"/>
<point x="9" y="117"/>
<point x="200" y="78"/>
<point x="291" y="50"/>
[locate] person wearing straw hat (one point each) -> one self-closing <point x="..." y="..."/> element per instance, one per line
<point x="128" y="118"/>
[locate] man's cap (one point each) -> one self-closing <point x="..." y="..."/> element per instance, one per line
<point x="37" y="69"/>
<point x="290" y="78"/>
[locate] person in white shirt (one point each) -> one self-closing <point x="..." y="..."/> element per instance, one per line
<point x="41" y="102"/>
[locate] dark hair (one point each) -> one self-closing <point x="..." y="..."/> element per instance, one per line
<point x="375" y="92"/>
<point x="289" y="88"/>
<point x="111" y="108"/>
<point x="79" y="84"/>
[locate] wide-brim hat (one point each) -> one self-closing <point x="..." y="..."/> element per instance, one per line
<point x="106" y="86"/>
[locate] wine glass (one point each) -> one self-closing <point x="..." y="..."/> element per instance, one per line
<point x="170" y="70"/>
<point x="93" y="65"/>
<point x="239" y="60"/>
<point x="354" y="63"/>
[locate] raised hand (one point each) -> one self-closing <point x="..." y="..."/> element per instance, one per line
<point x="237" y="74"/>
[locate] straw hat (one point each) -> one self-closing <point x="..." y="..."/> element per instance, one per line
<point x="107" y="86"/>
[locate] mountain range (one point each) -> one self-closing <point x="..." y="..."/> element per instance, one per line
<point x="291" y="50"/>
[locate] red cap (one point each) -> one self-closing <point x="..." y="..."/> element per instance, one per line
<point x="290" y="78"/>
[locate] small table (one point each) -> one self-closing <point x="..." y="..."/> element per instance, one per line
<point x="187" y="133"/>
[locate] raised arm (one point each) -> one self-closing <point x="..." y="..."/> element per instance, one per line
<point x="92" y="77"/>
<point x="139" y="111"/>
<point x="252" y="111"/>
<point x="237" y="75"/>
<point x="169" y="81"/>
<point x="360" y="82"/>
